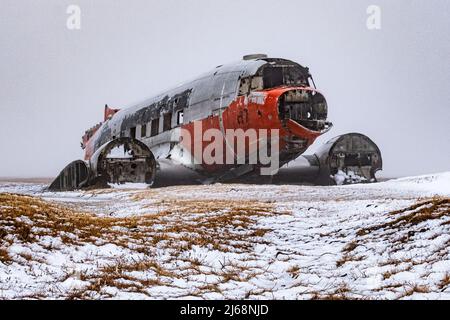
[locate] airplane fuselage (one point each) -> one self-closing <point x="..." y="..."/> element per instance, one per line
<point x="253" y="94"/>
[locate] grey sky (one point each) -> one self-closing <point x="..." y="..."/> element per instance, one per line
<point x="392" y="84"/>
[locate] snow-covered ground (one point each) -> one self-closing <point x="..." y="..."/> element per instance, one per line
<point x="388" y="240"/>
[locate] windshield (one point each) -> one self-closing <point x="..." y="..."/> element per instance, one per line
<point x="288" y="75"/>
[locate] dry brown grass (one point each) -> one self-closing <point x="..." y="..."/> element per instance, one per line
<point x="210" y="287"/>
<point x="294" y="271"/>
<point x="118" y="276"/>
<point x="346" y="257"/>
<point x="445" y="282"/>
<point x="4" y="256"/>
<point x="390" y="261"/>
<point x="227" y="226"/>
<point x="413" y="288"/>
<point x="198" y="223"/>
<point x="432" y="209"/>
<point x="347" y="254"/>
<point x="340" y="293"/>
<point x="388" y="274"/>
<point x="349" y="247"/>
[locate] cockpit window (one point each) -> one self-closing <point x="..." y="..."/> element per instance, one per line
<point x="276" y="73"/>
<point x="275" y="76"/>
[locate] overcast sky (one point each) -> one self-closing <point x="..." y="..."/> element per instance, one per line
<point x="391" y="84"/>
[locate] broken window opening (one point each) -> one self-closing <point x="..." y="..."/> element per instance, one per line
<point x="273" y="77"/>
<point x="167" y="121"/>
<point x="285" y="75"/>
<point x="244" y="86"/>
<point x="155" y="127"/>
<point x="180" y="117"/>
<point x="257" y="83"/>
<point x="143" y="130"/>
<point x="304" y="108"/>
<point x="133" y="132"/>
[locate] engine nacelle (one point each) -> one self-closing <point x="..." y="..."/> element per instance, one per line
<point x="346" y="159"/>
<point x="123" y="160"/>
<point x="75" y="175"/>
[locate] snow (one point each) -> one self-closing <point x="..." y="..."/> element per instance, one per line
<point x="119" y="152"/>
<point x="129" y="185"/>
<point x="347" y="178"/>
<point x="432" y="184"/>
<point x="281" y="242"/>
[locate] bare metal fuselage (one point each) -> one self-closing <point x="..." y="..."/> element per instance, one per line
<point x="256" y="93"/>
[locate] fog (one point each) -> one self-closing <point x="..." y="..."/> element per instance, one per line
<point x="391" y="84"/>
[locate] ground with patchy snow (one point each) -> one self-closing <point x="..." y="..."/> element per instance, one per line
<point x="387" y="240"/>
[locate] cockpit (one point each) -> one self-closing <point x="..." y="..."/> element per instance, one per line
<point x="276" y="73"/>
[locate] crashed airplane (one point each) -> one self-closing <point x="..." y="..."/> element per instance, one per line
<point x="271" y="104"/>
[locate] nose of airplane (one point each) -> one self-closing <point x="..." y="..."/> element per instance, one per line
<point x="304" y="106"/>
<point x="303" y="111"/>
